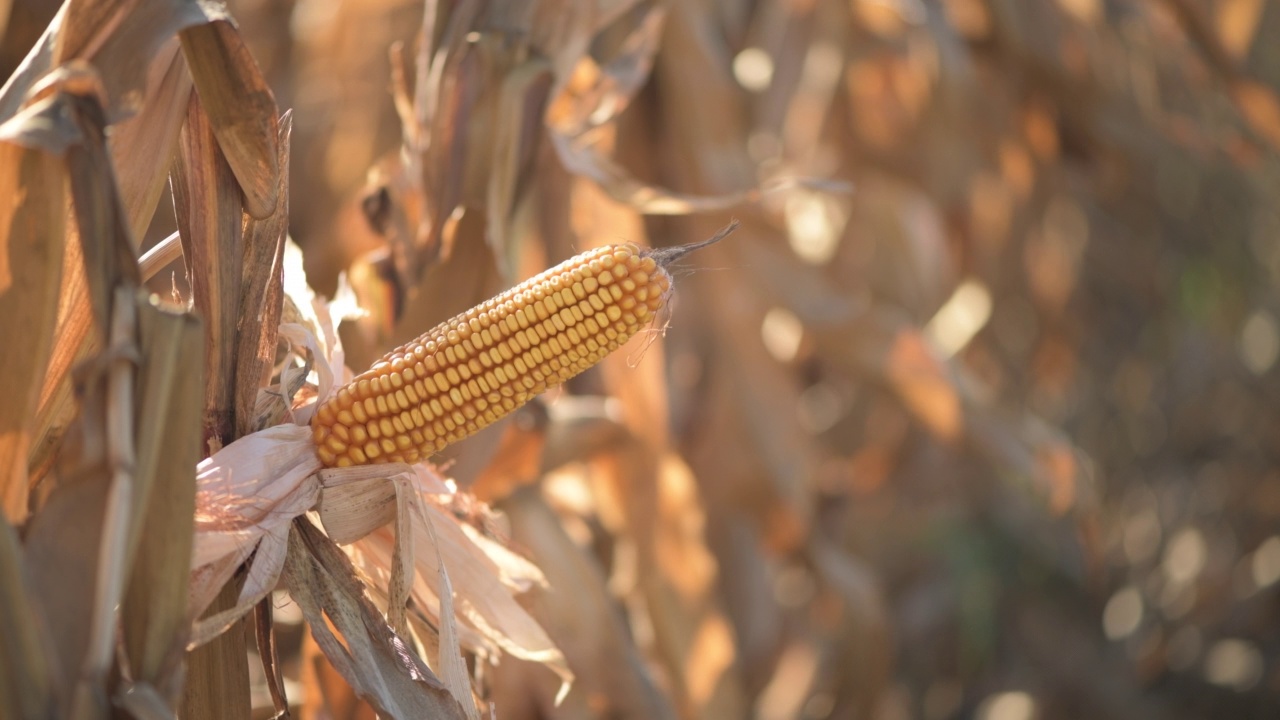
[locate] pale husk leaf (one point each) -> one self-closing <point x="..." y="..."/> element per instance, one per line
<point x="247" y="493"/>
<point x="453" y="669"/>
<point x="491" y="618"/>
<point x="376" y="662"/>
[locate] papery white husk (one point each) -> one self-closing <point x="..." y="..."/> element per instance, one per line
<point x="250" y="491"/>
<point x="483" y="582"/>
<point x="247" y="493"/>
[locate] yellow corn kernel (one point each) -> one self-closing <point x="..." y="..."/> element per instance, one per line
<point x="476" y="368"/>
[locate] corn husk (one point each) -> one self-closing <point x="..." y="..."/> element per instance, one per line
<point x="394" y="521"/>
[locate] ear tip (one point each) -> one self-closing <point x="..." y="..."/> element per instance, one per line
<point x="666" y="256"/>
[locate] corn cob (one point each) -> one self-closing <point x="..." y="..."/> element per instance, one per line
<point x="474" y="369"/>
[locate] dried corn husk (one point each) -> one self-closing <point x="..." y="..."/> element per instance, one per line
<point x="252" y="493"/>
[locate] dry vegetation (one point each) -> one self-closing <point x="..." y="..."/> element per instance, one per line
<point x="975" y="416"/>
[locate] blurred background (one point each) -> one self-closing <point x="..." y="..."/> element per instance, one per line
<point x="975" y="416"/>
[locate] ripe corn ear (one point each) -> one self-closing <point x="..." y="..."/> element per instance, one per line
<point x="474" y="369"/>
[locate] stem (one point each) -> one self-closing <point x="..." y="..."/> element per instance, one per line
<point x="116" y="521"/>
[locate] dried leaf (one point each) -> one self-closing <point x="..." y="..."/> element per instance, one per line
<point x="140" y="176"/>
<point x="106" y="244"/>
<point x="1237" y="25"/>
<point x="402" y="570"/>
<point x="247" y="493"/>
<point x="491" y="618"/>
<point x="575" y="120"/>
<point x="920" y="377"/>
<point x="377" y="664"/>
<point x="240" y="107"/>
<point x="269" y="652"/>
<point x="263" y="300"/>
<point x="31" y="250"/>
<point x="27" y="676"/>
<point x="453" y="669"/>
<point x="325" y="692"/>
<point x="107" y="456"/>
<point x="73" y="344"/>
<point x="355" y="501"/>
<point x="142" y="147"/>
<point x="863" y="640"/>
<point x="434" y="54"/>
<point x="120" y="39"/>
<point x="36" y="63"/>
<point x="1260" y="107"/>
<point x="625" y="60"/>
<point x="144" y="702"/>
<point x="207" y="202"/>
<point x="446" y="158"/>
<point x="217" y="673"/>
<point x="75" y="318"/>
<point x="521" y="99"/>
<point x="582" y="159"/>
<point x="61" y="554"/>
<point x="318" y="330"/>
<point x="154" y="616"/>
<point x="354" y="509"/>
<point x="581" y="615"/>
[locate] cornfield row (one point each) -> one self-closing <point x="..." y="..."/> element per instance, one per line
<point x="971" y="417"/>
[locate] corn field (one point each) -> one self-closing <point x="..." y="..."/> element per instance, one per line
<point x="520" y="359"/>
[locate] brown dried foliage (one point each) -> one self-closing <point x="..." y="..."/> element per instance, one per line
<point x="973" y="416"/>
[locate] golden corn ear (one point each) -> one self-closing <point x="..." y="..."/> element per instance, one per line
<point x="476" y="368"/>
